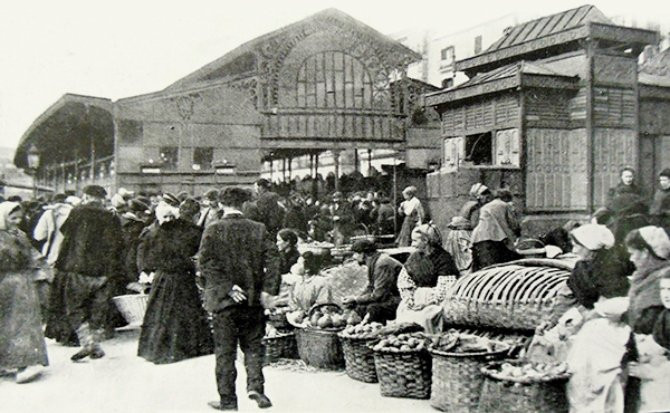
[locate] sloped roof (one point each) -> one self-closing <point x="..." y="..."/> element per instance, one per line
<point x="536" y="74"/>
<point x="241" y="58"/>
<point x="548" y="25"/>
<point x="658" y="65"/>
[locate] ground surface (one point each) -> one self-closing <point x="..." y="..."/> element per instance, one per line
<point x="123" y="382"/>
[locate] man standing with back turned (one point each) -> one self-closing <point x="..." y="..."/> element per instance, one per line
<point x="233" y="256"/>
<point x="90" y="255"/>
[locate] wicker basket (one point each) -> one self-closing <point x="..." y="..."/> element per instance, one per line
<point x="278" y="321"/>
<point x="320" y="347"/>
<point x="132" y="307"/>
<point x="359" y="358"/>
<point x="522" y="396"/>
<point x="403" y="374"/>
<point x="457" y="378"/>
<point x="281" y="346"/>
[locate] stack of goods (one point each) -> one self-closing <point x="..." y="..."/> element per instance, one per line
<point x="278" y="344"/>
<point x="522" y="386"/>
<point x="457" y="361"/>
<point x="358" y="356"/>
<point x="318" y="344"/>
<point x="403" y="365"/>
<point x="346" y="280"/>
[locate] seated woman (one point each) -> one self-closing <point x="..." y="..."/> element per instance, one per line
<point x="424" y="280"/>
<point x="287" y="241"/>
<point x="309" y="288"/>
<point x="649" y="249"/>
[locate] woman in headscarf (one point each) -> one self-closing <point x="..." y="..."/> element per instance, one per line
<point x="495" y="234"/>
<point x="22" y="346"/>
<point x="414" y="214"/>
<point x="309" y="288"/>
<point x="649" y="249"/>
<point x="424" y="280"/>
<point x="175" y="324"/>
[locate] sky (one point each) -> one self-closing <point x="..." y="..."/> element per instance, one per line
<point x="122" y="48"/>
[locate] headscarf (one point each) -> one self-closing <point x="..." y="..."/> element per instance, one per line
<point x="657" y="239"/>
<point x="6" y="208"/>
<point x="431" y="233"/>
<point x="593" y="236"/>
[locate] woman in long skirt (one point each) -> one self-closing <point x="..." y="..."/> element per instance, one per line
<point x="414" y="214"/>
<point x="175" y="324"/>
<point x="22" y="346"/>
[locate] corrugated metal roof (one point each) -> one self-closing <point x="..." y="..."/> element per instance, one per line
<point x="548" y="25"/>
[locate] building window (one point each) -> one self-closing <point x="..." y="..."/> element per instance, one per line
<point x="479" y="148"/>
<point x="447" y="53"/>
<point x="478" y="44"/>
<point x="169" y="157"/>
<point x="334" y="80"/>
<point x="202" y="158"/>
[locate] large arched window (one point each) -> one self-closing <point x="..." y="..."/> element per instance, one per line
<point x="333" y="80"/>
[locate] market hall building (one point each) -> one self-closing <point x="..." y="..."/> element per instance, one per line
<point x="553" y="110"/>
<point x="325" y="83"/>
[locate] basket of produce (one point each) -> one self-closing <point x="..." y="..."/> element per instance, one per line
<point x="403" y="366"/>
<point x="457" y="378"/>
<point x="522" y="386"/>
<point x="318" y="344"/>
<point x="277" y="344"/>
<point x="358" y="356"/>
<point x="276" y="317"/>
<point x="132" y="307"/>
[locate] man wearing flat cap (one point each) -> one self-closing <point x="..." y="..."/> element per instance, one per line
<point x="381" y="297"/>
<point x="211" y="213"/>
<point x="234" y="257"/>
<point x="90" y="257"/>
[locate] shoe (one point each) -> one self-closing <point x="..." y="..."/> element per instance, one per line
<point x="81" y="354"/>
<point x="261" y="400"/>
<point x="28" y="374"/>
<point x="219" y="406"/>
<point x="97" y="352"/>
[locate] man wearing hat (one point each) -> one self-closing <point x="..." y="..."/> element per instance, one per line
<point x="90" y="256"/>
<point x="267" y="208"/>
<point x="381" y="297"/>
<point x="660" y="206"/>
<point x="234" y="254"/>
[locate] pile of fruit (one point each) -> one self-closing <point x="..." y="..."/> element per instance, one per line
<point x="467" y="343"/>
<point x="530" y="372"/>
<point x="363" y="330"/>
<point x="277" y="311"/>
<point x="326" y="318"/>
<point x="403" y="343"/>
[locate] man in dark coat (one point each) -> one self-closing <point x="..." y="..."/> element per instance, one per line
<point x="233" y="257"/>
<point x="91" y="255"/>
<point x="266" y="209"/>
<point x="381" y="297"/>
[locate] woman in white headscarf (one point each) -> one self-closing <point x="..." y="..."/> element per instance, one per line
<point x="22" y="346"/>
<point x="414" y="214"/>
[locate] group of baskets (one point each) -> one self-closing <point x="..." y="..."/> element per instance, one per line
<point x="453" y="381"/>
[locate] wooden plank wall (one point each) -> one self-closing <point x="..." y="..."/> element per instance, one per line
<point x="502" y="110"/>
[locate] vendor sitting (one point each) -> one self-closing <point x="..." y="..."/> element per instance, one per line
<point x="287" y="242"/>
<point x="425" y="279"/>
<point x="381" y="297"/>
<point x="309" y="288"/>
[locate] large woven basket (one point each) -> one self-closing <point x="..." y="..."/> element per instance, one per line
<point x="403" y="374"/>
<point x="457" y="378"/>
<point x="320" y="347"/>
<point x="518" y="396"/>
<point x="132" y="307"/>
<point x="281" y="346"/>
<point x="359" y="358"/>
<point x="517" y="295"/>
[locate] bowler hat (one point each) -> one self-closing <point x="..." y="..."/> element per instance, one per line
<point x="95" y="191"/>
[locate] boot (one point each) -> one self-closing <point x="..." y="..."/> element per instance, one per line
<point x="86" y="341"/>
<point x="96" y="350"/>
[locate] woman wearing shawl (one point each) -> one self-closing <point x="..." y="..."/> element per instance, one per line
<point x="424" y="280"/>
<point x="649" y="249"/>
<point x="413" y="212"/>
<point x="22" y="346"/>
<point x="175" y="324"/>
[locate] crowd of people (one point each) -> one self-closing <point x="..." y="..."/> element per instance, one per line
<point x="213" y="263"/>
